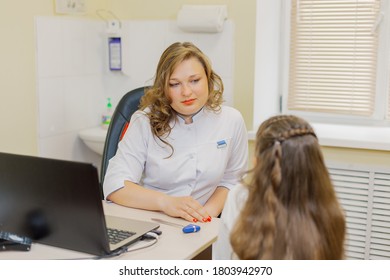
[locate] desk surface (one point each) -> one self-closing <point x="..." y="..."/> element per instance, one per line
<point x="172" y="244"/>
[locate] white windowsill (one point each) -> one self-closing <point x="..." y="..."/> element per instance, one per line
<point x="348" y="136"/>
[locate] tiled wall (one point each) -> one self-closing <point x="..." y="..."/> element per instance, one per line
<point x="74" y="80"/>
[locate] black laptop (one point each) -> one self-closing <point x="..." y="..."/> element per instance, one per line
<point x="58" y="203"/>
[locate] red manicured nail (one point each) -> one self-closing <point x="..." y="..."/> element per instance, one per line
<point x="204" y="220"/>
<point x="194" y="220"/>
<point x="209" y="219"/>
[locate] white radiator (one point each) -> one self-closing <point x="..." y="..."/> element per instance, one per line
<point x="364" y="193"/>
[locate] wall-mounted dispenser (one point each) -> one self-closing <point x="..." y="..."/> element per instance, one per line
<point x="202" y="18"/>
<point x="114" y="45"/>
<point x="115" y="53"/>
<point x="114" y="39"/>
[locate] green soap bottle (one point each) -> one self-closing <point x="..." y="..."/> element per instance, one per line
<point x="106" y="117"/>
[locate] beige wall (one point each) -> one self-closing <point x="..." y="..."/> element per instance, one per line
<point x="18" y="106"/>
<point x="361" y="157"/>
<point x="18" y="96"/>
<point x="348" y="156"/>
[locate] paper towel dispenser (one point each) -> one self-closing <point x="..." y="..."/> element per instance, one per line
<point x="202" y="18"/>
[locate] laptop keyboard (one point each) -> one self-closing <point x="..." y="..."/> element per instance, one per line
<point x="116" y="235"/>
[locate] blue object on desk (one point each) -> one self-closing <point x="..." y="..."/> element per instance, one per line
<point x="191" y="228"/>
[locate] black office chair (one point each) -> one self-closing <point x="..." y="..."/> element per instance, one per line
<point x="120" y="120"/>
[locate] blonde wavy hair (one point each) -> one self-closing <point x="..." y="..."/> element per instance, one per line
<point x="156" y="97"/>
<point x="292" y="211"/>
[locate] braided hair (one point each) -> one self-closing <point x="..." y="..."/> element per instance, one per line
<point x="292" y="211"/>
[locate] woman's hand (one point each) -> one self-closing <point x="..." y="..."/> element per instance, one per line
<point x="184" y="207"/>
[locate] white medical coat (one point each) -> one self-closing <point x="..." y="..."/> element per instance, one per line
<point x="212" y="151"/>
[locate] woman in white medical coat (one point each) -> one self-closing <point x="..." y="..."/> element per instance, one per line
<point x="183" y="150"/>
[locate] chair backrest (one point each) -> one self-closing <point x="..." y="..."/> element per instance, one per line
<point x="120" y="120"/>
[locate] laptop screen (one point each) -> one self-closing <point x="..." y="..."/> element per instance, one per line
<point x="54" y="202"/>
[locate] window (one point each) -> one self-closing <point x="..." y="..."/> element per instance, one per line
<point x="329" y="62"/>
<point x="334" y="49"/>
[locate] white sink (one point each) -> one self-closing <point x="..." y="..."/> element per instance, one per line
<point x="94" y="138"/>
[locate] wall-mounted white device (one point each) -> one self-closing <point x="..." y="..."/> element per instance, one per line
<point x="115" y="53"/>
<point x="113" y="32"/>
<point x="114" y="45"/>
<point x="202" y="18"/>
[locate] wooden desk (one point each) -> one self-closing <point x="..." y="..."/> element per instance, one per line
<point x="173" y="244"/>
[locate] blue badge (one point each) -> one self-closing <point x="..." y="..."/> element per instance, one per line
<point x="221" y="144"/>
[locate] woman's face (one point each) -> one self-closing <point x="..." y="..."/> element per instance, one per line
<point x="188" y="87"/>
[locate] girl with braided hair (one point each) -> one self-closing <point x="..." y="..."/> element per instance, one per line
<point x="288" y="208"/>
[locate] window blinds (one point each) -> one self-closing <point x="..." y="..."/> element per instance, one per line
<point x="333" y="56"/>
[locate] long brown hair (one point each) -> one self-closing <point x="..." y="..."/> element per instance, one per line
<point x="292" y="211"/>
<point x="156" y="97"/>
